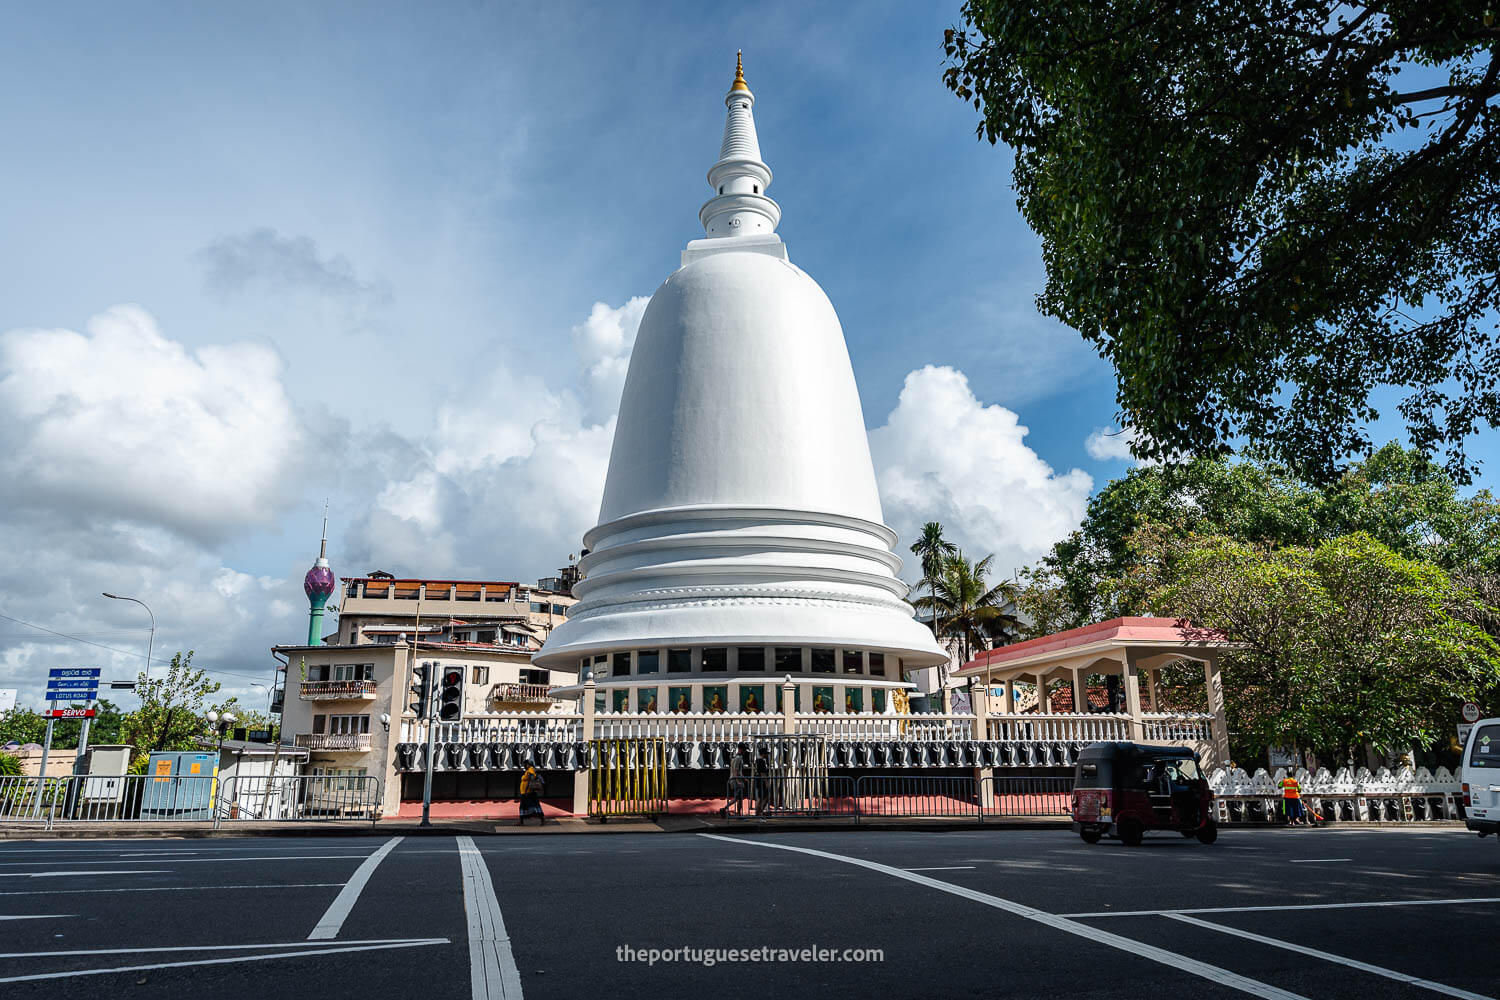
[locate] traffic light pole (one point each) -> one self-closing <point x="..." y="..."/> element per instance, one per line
<point x="427" y="778"/>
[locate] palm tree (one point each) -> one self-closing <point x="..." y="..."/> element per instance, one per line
<point x="965" y="606"/>
<point x="932" y="551"/>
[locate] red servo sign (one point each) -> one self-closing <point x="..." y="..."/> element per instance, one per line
<point x="71" y="713"/>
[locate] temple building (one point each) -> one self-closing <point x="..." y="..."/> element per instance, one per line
<point x="740" y="542"/>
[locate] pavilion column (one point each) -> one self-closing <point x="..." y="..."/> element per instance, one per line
<point x="788" y="706"/>
<point x="979" y="697"/>
<point x="1008" y="697"/>
<point x="1131" y="680"/>
<point x="1151" y="689"/>
<point x="1043" y="703"/>
<point x="1218" y="725"/>
<point x="1080" y="692"/>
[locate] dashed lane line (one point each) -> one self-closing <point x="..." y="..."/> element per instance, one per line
<point x="492" y="965"/>
<point x="1168" y="958"/>
<point x="338" y="910"/>
<point x="1400" y="977"/>
<point x="1283" y="906"/>
<point x="300" y="953"/>
<point x="177" y="888"/>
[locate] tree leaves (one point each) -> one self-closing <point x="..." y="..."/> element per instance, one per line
<point x="1250" y="219"/>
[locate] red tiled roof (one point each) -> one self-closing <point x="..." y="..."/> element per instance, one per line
<point x="1165" y="630"/>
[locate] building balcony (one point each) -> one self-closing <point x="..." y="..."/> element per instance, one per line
<point x="337" y="691"/>
<point x="337" y="742"/>
<point x="528" y="694"/>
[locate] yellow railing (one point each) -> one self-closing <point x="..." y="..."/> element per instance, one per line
<point x="627" y="777"/>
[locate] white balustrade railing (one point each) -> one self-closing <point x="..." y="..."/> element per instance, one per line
<point x="921" y="728"/>
<point x="1059" y="728"/>
<point x="1163" y="728"/>
<point x="687" y="727"/>
<point x="510" y="727"/>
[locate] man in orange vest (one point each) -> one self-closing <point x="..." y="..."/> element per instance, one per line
<point x="1291" y="801"/>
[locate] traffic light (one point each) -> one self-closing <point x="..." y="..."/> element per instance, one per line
<point x="421" y="689"/>
<point x="450" y="696"/>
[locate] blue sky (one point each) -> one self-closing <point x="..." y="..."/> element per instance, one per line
<point x="363" y="245"/>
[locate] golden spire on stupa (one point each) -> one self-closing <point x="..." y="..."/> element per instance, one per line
<point x="739" y="73"/>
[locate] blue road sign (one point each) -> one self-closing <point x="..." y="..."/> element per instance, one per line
<point x="72" y="689"/>
<point x="74" y="672"/>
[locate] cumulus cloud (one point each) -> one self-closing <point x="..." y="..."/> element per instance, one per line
<point x="1110" y="443"/>
<point x="263" y="258"/>
<point x="942" y="455"/>
<point x="511" y="475"/>
<point x="124" y="422"/>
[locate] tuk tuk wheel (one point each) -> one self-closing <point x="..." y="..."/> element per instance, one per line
<point x="1090" y="836"/>
<point x="1208" y="834"/>
<point x="1131" y="832"/>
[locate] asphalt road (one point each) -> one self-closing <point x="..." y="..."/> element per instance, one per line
<point x="948" y="914"/>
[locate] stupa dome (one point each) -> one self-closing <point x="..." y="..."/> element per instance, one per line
<point x="740" y="506"/>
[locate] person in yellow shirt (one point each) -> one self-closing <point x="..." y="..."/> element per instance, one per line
<point x="532" y="785"/>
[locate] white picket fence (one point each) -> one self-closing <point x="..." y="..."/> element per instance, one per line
<point x="1345" y="795"/>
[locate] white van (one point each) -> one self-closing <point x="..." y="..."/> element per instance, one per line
<point x="1480" y="773"/>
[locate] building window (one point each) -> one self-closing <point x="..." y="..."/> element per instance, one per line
<point x="319" y="724"/>
<point x="788" y="660"/>
<point x="538" y="608"/>
<point x="350" y="672"/>
<point x="715" y="659"/>
<point x="877" y="664"/>
<point x="481" y="675"/>
<point x="348" y="725"/>
<point x="647" y="661"/>
<point x="317" y="672"/>
<point x="679" y="661"/>
<point x="533" y="675"/>
<point x="822" y="661"/>
<point x="601" y="666"/>
<point x="752" y="658"/>
<point x="853" y="661"/>
<point x="486" y="637"/>
<point x="621" y="664"/>
<point x="558" y="609"/>
<point x="353" y="635"/>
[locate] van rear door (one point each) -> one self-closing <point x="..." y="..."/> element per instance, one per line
<point x="1481" y="769"/>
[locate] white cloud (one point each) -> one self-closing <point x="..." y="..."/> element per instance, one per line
<point x="121" y="421"/>
<point x="945" y="456"/>
<point x="603" y="342"/>
<point x="1110" y="444"/>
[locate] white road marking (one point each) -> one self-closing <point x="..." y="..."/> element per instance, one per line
<point x="176" y="888"/>
<point x="1318" y="861"/>
<point x="339" y="909"/>
<point x="1168" y="958"/>
<point x="186" y="861"/>
<point x="415" y="943"/>
<point x="213" y="947"/>
<point x="60" y="874"/>
<point x="38" y="916"/>
<point x="492" y="965"/>
<point x="950" y="868"/>
<point x="1401" y="977"/>
<point x="1286" y="906"/>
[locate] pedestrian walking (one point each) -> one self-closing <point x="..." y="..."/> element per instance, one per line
<point x="1291" y="801"/>
<point x="739" y="770"/>
<point x="532" y="786"/>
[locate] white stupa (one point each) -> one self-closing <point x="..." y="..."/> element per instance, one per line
<point x="740" y="539"/>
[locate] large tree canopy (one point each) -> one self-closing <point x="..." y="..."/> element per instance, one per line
<point x="1260" y="211"/>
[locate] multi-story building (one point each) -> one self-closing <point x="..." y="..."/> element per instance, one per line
<point x="341" y="695"/>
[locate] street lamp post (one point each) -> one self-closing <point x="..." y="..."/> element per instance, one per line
<point x="151" y="638"/>
<point x="221" y="723"/>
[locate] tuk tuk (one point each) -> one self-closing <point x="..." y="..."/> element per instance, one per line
<point x="1124" y="789"/>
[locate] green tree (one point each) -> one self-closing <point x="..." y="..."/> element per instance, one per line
<point x="966" y="607"/>
<point x="932" y="551"/>
<point x="1110" y="565"/>
<point x="22" y="725"/>
<point x="172" y="709"/>
<point x="1259" y="212"/>
<point x="1340" y="645"/>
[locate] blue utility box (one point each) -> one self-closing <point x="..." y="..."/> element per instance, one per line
<point x="180" y="785"/>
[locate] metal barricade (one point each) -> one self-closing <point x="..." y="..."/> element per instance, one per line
<point x="628" y="777"/>
<point x="1027" y="797"/>
<point x="300" y="797"/>
<point x="149" y="798"/>
<point x="918" y="797"/>
<point x="794" y="796"/>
